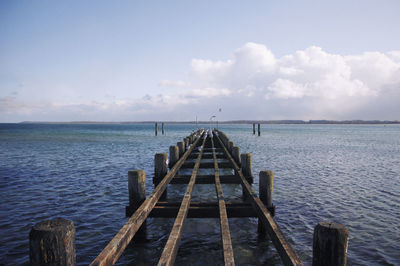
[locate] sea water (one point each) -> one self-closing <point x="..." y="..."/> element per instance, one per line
<point x="348" y="174"/>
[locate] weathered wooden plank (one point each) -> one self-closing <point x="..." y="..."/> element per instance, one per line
<point x="223" y="217"/>
<point x="208" y="179"/>
<point x="206" y="155"/>
<point x="207" y="165"/>
<point x="171" y="247"/>
<point x="117" y="245"/>
<point x="200" y="210"/>
<point x="285" y="251"/>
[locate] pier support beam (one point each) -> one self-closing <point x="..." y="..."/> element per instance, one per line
<point x="245" y="159"/>
<point x="137" y="195"/>
<point x="160" y="170"/>
<point x="330" y="244"/>
<point x="259" y="129"/>
<point x="265" y="190"/>
<point x="173" y="155"/>
<point x="181" y="147"/>
<point x="156" y="129"/>
<point x="52" y="242"/>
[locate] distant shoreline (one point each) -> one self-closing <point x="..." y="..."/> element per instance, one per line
<point x="300" y="122"/>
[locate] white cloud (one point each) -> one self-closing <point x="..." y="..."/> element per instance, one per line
<point x="252" y="84"/>
<point x="175" y="83"/>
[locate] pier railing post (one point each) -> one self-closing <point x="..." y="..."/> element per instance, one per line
<point x="246" y="164"/>
<point x="181" y="147"/>
<point x="330" y="244"/>
<point x="265" y="190"/>
<point x="52" y="242"/>
<point x="156" y="129"/>
<point x="137" y="195"/>
<point x="173" y="155"/>
<point x="160" y="170"/>
<point x="259" y="129"/>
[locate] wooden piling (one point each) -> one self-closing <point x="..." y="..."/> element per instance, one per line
<point x="162" y="128"/>
<point x="259" y="129"/>
<point x="137" y="195"/>
<point x="186" y="141"/>
<point x="230" y="146"/>
<point x="52" y="242"/>
<point x="160" y="170"/>
<point x="330" y="244"/>
<point x="181" y="147"/>
<point x="236" y="154"/>
<point x="245" y="159"/>
<point x="156" y="129"/>
<point x="265" y="190"/>
<point x="254" y="128"/>
<point x="173" y="155"/>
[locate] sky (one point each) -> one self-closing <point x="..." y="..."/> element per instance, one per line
<point x="178" y="60"/>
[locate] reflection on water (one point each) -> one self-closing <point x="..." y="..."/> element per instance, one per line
<point x="347" y="174"/>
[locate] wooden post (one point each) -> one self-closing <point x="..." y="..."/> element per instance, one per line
<point x="137" y="195"/>
<point x="265" y="190"/>
<point x="236" y="154"/>
<point x="173" y="155"/>
<point x="181" y="147"/>
<point x="259" y="129"/>
<point x="245" y="159"/>
<point x="330" y="244"/>
<point x="162" y="128"/>
<point x="52" y="242"/>
<point x="156" y="129"/>
<point x="160" y="170"/>
<point x="230" y="146"/>
<point x="254" y="128"/>
<point x="186" y="141"/>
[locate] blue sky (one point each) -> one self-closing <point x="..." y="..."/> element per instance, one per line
<point x="175" y="60"/>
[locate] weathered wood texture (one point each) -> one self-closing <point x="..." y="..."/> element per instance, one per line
<point x="236" y="155"/>
<point x="265" y="190"/>
<point x="223" y="217"/>
<point x="208" y="179"/>
<point x="200" y="210"/>
<point x="137" y="195"/>
<point x="330" y="244"/>
<point x="52" y="242"/>
<point x="181" y="147"/>
<point x="173" y="155"/>
<point x="117" y="245"/>
<point x="171" y="247"/>
<point x="285" y="251"/>
<point x="160" y="170"/>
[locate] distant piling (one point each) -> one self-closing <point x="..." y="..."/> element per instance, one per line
<point x="259" y="129"/>
<point x="52" y="242"/>
<point x="162" y="128"/>
<point x="330" y="244"/>
<point x="254" y="128"/>
<point x="156" y="129"/>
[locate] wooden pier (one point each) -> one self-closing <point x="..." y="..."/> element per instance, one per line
<point x="330" y="240"/>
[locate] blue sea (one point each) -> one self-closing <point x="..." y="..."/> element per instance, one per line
<point x="349" y="174"/>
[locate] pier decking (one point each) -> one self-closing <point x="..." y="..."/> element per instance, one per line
<point x="203" y="149"/>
